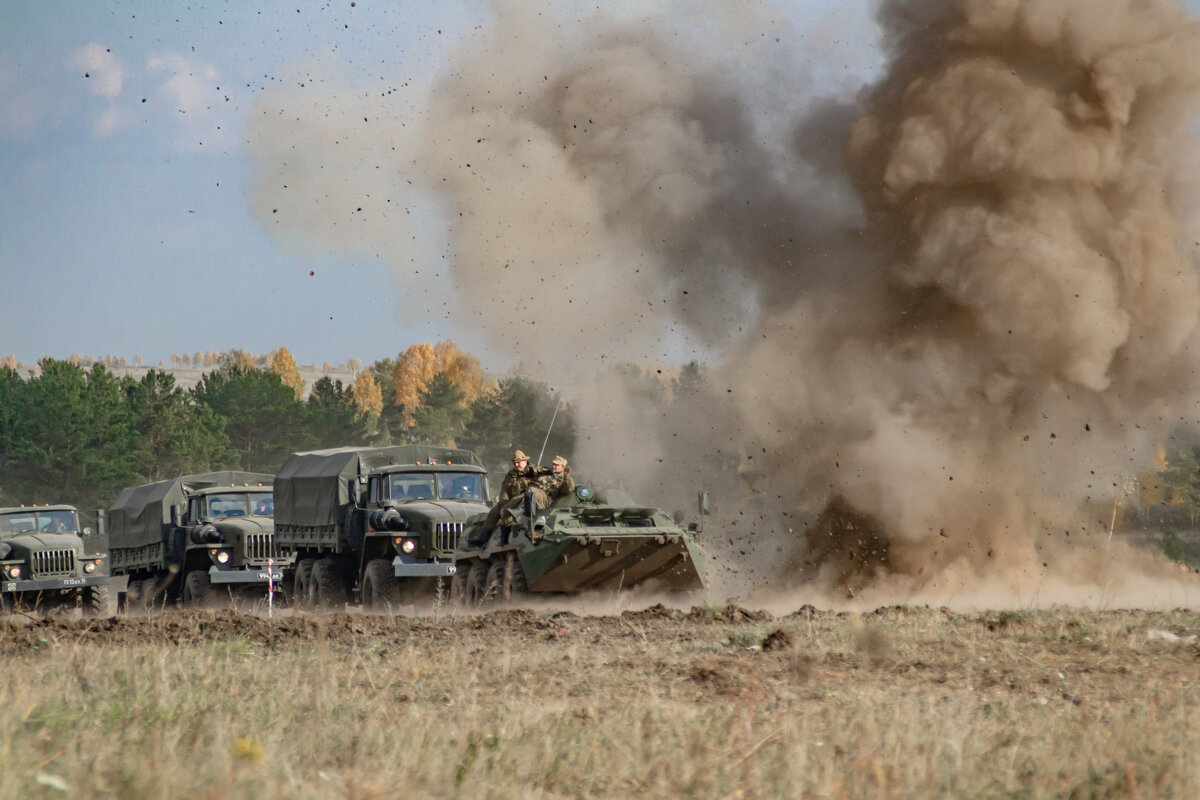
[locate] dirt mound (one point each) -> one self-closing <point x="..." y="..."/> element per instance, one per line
<point x="726" y="614"/>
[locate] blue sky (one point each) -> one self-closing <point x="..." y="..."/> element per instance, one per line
<point x="124" y="224"/>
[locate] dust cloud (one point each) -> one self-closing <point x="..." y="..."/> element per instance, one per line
<point x="961" y="302"/>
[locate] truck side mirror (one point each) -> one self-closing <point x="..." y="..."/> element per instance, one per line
<point x="703" y="504"/>
<point x="175" y="515"/>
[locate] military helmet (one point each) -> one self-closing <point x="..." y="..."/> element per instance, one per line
<point x="520" y="456"/>
<point x="560" y="461"/>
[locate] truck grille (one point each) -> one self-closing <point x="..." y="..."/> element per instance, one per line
<point x="53" y="562"/>
<point x="445" y="535"/>
<point x="260" y="546"/>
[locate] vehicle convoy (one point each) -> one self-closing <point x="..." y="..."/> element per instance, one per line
<point x="374" y="521"/>
<point x="202" y="539"/>
<point x="591" y="539"/>
<point x="48" y="562"/>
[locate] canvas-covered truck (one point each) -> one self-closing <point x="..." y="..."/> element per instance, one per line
<point x="48" y="562"/>
<point x="375" y="521"/>
<point x="202" y="539"/>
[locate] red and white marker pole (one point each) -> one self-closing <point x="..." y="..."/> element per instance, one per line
<point x="270" y="587"/>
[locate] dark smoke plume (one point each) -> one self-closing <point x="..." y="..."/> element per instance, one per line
<point x="964" y="302"/>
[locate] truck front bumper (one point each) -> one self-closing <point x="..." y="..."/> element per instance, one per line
<point x="421" y="569"/>
<point x="49" y="584"/>
<point x="222" y="576"/>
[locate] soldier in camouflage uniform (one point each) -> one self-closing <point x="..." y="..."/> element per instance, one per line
<point x="558" y="482"/>
<point x="521" y="478"/>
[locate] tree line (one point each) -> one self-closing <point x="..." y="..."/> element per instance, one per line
<point x="70" y="434"/>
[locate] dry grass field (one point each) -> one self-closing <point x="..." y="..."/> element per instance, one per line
<point x="715" y="702"/>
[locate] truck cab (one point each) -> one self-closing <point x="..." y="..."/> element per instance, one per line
<point x="48" y="561"/>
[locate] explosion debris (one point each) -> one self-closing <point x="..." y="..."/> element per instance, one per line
<point x="963" y="301"/>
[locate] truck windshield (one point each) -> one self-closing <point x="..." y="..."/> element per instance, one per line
<point x="228" y="504"/>
<point x="410" y="486"/>
<point x="460" y="485"/>
<point x="40" y="521"/>
<point x="262" y="504"/>
<point x="18" y="523"/>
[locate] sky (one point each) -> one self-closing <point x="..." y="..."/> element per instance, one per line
<point x="125" y="225"/>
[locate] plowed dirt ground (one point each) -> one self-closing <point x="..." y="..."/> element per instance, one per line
<point x="712" y="702"/>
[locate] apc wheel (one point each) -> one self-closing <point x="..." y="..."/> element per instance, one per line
<point x="328" y="590"/>
<point x="301" y="583"/>
<point x="96" y="602"/>
<point x="380" y="587"/>
<point x="477" y="582"/>
<point x="505" y="579"/>
<point x="515" y="585"/>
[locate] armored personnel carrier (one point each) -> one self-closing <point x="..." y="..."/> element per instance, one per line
<point x="48" y="562"/>
<point x="588" y="540"/>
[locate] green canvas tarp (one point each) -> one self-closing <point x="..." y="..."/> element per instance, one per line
<point x="139" y="513"/>
<point x="312" y="487"/>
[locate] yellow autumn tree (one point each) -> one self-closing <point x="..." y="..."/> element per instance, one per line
<point x="366" y="396"/>
<point x="235" y="359"/>
<point x="283" y="365"/>
<point x="417" y="366"/>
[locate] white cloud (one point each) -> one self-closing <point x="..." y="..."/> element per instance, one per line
<point x="102" y="69"/>
<point x="191" y="91"/>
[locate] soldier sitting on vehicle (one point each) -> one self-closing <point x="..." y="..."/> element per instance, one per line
<point x="521" y="479"/>
<point x="558" y="483"/>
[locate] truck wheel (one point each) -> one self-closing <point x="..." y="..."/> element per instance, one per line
<point x="198" y="591"/>
<point x="460" y="592"/>
<point x="152" y="594"/>
<point x="95" y="601"/>
<point x="381" y="587"/>
<point x="302" y="584"/>
<point x="328" y="589"/>
<point x="139" y="595"/>
<point x="477" y="582"/>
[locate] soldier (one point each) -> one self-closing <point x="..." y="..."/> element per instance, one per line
<point x="558" y="483"/>
<point x="520" y="479"/>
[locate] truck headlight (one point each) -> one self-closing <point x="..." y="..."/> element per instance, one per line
<point x="219" y="556"/>
<point x="14" y="571"/>
<point x="405" y="546"/>
<point x="89" y="567"/>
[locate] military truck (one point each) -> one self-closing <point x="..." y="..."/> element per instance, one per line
<point x="375" y="521"/>
<point x="48" y="562"/>
<point x="203" y="539"/>
<point x="591" y="539"/>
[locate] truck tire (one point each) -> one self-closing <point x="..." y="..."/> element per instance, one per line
<point x="139" y="595"/>
<point x="460" y="592"/>
<point x="301" y="583"/>
<point x="328" y="589"/>
<point x="198" y="591"/>
<point x="154" y="594"/>
<point x="95" y="602"/>
<point x="380" y="587"/>
<point x="477" y="582"/>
